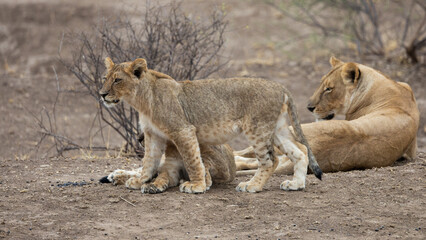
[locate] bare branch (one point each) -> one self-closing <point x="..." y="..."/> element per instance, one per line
<point x="170" y="41"/>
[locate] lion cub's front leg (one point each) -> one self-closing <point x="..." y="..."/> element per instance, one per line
<point x="187" y="145"/>
<point x="154" y="149"/>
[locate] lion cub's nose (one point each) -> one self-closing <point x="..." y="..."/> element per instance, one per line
<point x="310" y="108"/>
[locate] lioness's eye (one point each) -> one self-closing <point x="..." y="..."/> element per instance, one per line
<point x="328" y="89"/>
<point x="117" y="80"/>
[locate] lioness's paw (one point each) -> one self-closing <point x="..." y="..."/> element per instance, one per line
<point x="118" y="177"/>
<point x="288" y="185"/>
<point x="248" y="187"/>
<point x="152" y="188"/>
<point x="191" y="187"/>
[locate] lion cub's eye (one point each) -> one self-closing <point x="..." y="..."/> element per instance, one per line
<point x="328" y="89"/>
<point x="117" y="80"/>
<point x="103" y="79"/>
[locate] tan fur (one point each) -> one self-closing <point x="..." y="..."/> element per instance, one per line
<point x="208" y="112"/>
<point x="381" y="123"/>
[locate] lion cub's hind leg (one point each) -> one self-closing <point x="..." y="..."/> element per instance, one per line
<point x="170" y="172"/>
<point x="154" y="149"/>
<point x="261" y="140"/>
<point x="119" y="176"/>
<point x="219" y="163"/>
<point x="297" y="153"/>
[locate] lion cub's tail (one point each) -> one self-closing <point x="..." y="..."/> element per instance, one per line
<point x="292" y="112"/>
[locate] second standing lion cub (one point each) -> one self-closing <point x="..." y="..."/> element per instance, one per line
<point x="209" y="112"/>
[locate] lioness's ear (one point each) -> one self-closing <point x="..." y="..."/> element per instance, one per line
<point x="109" y="63"/>
<point x="350" y="73"/>
<point x="138" y="67"/>
<point x="334" y="61"/>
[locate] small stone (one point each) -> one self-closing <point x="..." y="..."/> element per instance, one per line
<point x="248" y="217"/>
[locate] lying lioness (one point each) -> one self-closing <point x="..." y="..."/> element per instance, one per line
<point x="380" y="126"/>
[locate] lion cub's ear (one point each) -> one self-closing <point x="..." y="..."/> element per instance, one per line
<point x="350" y="73"/>
<point x="109" y="64"/>
<point x="138" y="67"/>
<point x="334" y="61"/>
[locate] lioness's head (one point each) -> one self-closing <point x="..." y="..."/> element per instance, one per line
<point x="333" y="95"/>
<point x="121" y="79"/>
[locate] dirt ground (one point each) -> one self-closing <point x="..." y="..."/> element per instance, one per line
<point x="46" y="197"/>
<point x="385" y="203"/>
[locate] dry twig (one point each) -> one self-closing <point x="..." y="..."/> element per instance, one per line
<point x="127" y="201"/>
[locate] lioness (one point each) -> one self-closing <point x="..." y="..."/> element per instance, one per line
<point x="380" y="126"/>
<point x="209" y="112"/>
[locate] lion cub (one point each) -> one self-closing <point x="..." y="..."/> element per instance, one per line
<point x="209" y="112"/>
<point x="218" y="161"/>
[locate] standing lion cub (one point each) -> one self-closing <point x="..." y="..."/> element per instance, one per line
<point x="209" y="112"/>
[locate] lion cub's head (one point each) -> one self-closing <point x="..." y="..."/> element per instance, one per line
<point x="333" y="95"/>
<point x="121" y="79"/>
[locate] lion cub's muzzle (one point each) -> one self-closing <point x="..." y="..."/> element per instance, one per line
<point x="108" y="102"/>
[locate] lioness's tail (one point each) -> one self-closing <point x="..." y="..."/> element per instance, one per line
<point x="292" y="112"/>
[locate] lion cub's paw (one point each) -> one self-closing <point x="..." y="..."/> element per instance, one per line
<point x="248" y="187"/>
<point x="153" y="188"/>
<point x="288" y="185"/>
<point x="134" y="183"/>
<point x="193" y="187"/>
<point x="118" y="177"/>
